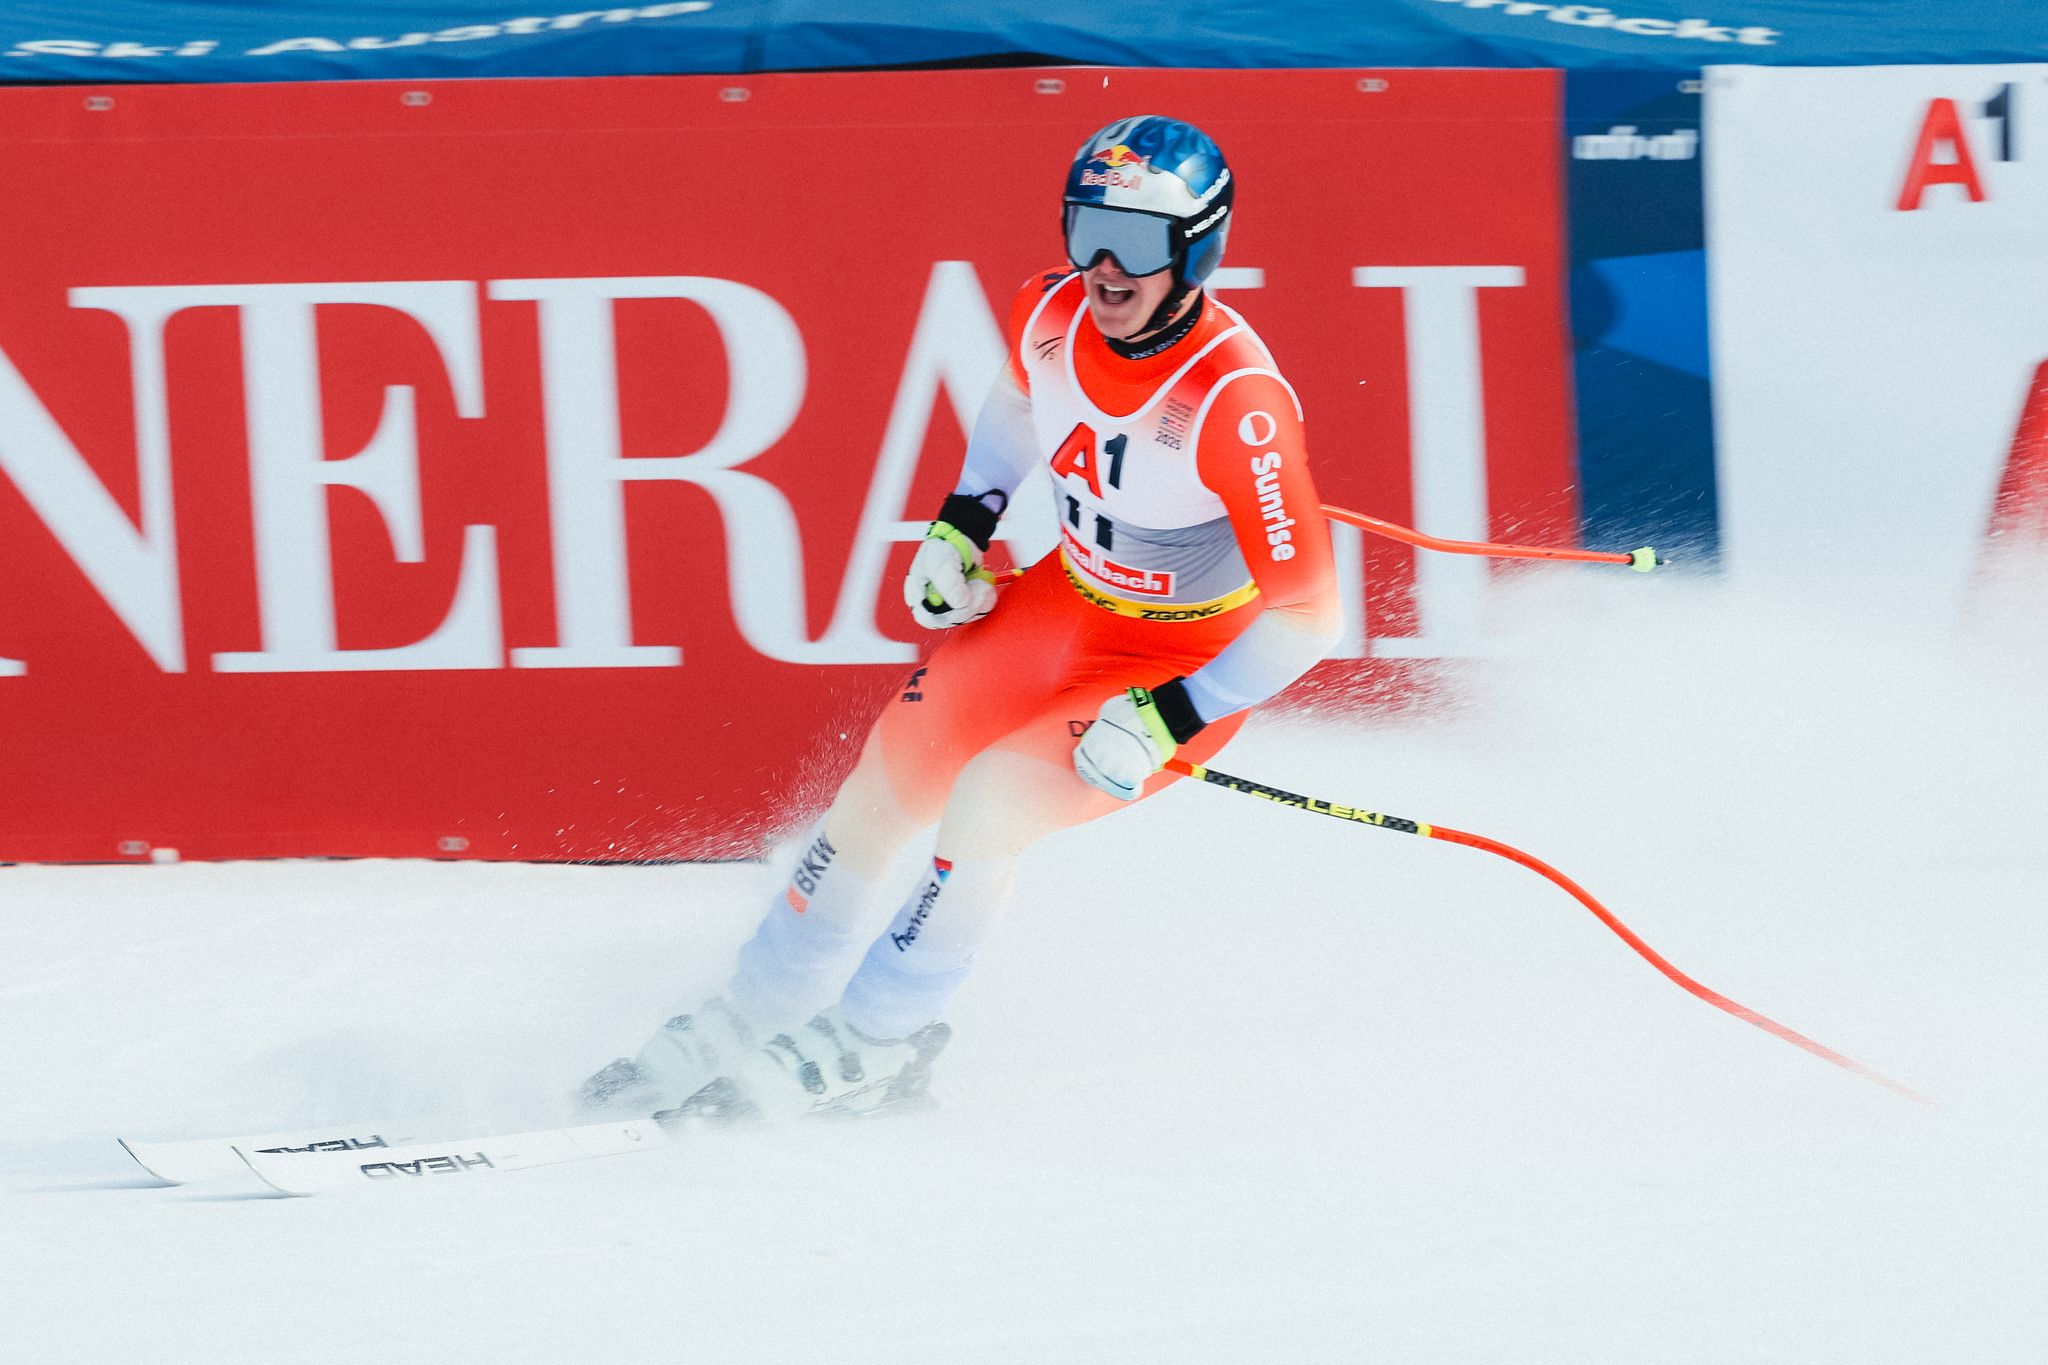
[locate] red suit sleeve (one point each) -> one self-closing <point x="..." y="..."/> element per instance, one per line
<point x="1252" y="454"/>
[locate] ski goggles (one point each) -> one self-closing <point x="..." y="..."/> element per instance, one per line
<point x="1143" y="243"/>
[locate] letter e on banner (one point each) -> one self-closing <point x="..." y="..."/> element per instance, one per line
<point x="1942" y="124"/>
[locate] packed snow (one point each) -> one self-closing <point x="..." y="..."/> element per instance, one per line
<point x="1233" y="1084"/>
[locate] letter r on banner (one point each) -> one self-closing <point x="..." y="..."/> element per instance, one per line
<point x="588" y="471"/>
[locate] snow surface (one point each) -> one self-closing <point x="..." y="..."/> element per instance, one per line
<point x="1234" y="1083"/>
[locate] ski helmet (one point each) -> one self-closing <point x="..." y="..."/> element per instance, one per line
<point x="1153" y="192"/>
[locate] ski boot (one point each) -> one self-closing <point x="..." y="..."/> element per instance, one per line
<point x="685" y="1056"/>
<point x="825" y="1067"/>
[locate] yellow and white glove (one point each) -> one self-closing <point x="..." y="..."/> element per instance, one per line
<point x="1133" y="735"/>
<point x="947" y="586"/>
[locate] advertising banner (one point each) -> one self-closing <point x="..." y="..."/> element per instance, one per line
<point x="527" y="469"/>
<point x="1879" y="247"/>
<point x="1639" y="311"/>
<point x="193" y="40"/>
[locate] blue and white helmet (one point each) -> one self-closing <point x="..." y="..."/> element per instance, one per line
<point x="1153" y="192"/>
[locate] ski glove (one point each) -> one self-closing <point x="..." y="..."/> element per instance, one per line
<point x="1133" y="736"/>
<point x="946" y="585"/>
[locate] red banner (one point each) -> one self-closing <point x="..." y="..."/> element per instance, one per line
<point x="526" y="468"/>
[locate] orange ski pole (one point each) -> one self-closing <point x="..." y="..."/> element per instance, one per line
<point x="1642" y="561"/>
<point x="1404" y="826"/>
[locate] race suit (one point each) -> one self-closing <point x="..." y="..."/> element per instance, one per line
<point x="1192" y="545"/>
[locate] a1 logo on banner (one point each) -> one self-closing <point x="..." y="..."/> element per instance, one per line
<point x="2021" y="506"/>
<point x="1943" y="154"/>
<point x="1878" y="234"/>
<point x="1961" y="144"/>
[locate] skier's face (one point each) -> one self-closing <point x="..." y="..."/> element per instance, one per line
<point x="1120" y="304"/>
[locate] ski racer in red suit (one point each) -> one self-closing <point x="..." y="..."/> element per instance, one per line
<point x="1193" y="581"/>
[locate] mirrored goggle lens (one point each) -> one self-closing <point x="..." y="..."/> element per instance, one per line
<point x="1141" y="243"/>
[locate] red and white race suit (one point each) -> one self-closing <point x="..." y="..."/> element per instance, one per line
<point x="1192" y="545"/>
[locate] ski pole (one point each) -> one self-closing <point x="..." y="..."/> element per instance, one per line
<point x="1642" y="561"/>
<point x="1404" y="826"/>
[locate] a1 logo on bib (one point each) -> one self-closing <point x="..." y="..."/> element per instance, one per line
<point x="1077" y="455"/>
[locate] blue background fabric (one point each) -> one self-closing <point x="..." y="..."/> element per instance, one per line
<point x="226" y="40"/>
<point x="1642" y="388"/>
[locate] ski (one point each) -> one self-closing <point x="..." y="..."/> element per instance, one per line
<point x="194" y="1160"/>
<point x="303" y="1172"/>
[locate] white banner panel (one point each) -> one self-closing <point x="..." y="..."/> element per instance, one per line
<point x="1878" y="253"/>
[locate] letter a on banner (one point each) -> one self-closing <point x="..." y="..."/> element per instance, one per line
<point x="955" y="352"/>
<point x="1942" y="124"/>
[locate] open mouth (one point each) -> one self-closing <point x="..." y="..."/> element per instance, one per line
<point x="1114" y="296"/>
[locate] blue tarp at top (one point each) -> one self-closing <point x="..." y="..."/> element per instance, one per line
<point x="245" y="40"/>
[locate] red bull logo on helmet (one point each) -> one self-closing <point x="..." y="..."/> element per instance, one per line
<point x="1124" y="171"/>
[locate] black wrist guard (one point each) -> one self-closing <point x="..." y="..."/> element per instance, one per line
<point x="971" y="517"/>
<point x="1171" y="698"/>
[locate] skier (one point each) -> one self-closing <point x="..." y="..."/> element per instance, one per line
<point x="1193" y="581"/>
